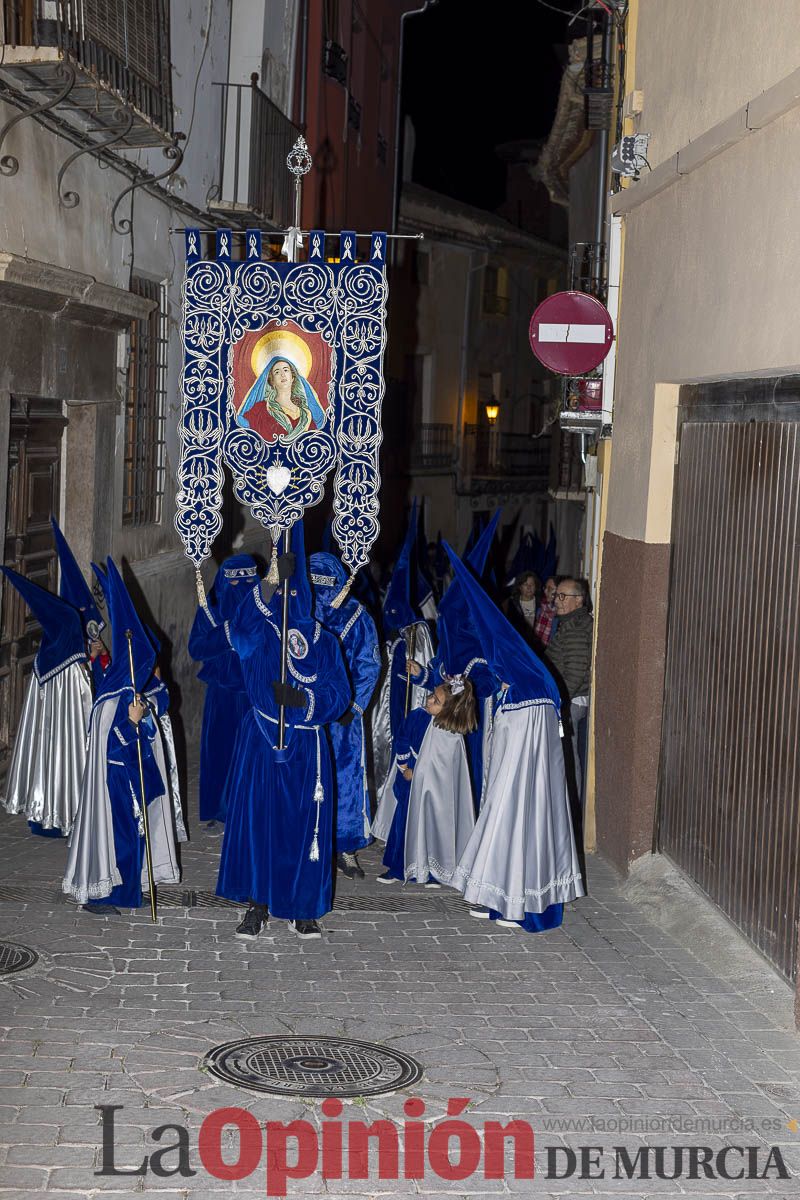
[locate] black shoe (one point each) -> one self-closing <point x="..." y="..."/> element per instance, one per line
<point x="254" y="921"/>
<point x="349" y="865"/>
<point x="387" y="877"/>
<point x="306" y="929"/>
<point x="356" y="865"/>
<point x="101" y="910"/>
<point x="345" y="864"/>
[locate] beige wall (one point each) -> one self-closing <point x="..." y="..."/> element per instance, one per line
<point x="709" y="290"/>
<point x="699" y="60"/>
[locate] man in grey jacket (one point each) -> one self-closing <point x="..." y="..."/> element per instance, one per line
<point x="570" y="657"/>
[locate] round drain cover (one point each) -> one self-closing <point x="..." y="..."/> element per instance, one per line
<point x="312" y="1066"/>
<point x="14" y="957"/>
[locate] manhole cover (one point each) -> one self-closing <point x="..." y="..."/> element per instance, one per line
<point x="312" y="1066"/>
<point x="14" y="957"/>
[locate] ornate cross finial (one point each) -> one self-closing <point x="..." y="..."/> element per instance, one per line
<point x="298" y="160"/>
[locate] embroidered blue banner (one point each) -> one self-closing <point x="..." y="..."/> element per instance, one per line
<point x="283" y="383"/>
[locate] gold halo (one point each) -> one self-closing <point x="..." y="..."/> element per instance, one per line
<point x="284" y="344"/>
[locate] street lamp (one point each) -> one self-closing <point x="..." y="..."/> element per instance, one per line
<point x="492" y="411"/>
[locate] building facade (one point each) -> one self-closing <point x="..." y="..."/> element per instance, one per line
<point x="468" y="423"/>
<point x="119" y="124"/>
<point x="696" y="685"/>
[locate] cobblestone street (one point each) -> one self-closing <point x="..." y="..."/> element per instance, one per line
<point x="605" y="1022"/>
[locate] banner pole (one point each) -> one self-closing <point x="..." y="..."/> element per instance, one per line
<point x="298" y="162"/>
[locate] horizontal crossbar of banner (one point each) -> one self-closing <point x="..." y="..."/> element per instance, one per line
<point x="274" y="234"/>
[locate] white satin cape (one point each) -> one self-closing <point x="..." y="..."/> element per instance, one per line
<point x="46" y="772"/>
<point x="441" y="815"/>
<point x="521" y="856"/>
<point x="92" y="872"/>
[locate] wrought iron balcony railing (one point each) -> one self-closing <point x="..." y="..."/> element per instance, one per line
<point x="432" y="446"/>
<point x="104" y="64"/>
<point x="520" y="460"/>
<point x="255" y="138"/>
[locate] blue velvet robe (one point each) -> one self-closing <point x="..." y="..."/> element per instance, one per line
<point x="224" y="710"/>
<point x="406" y="749"/>
<point x="124" y="786"/>
<point x="272" y="811"/>
<point x="358" y="638"/>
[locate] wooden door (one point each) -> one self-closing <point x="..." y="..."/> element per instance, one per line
<point x="34" y="484"/>
<point x="730" y="770"/>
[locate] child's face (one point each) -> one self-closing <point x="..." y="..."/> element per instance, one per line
<point x="435" y="702"/>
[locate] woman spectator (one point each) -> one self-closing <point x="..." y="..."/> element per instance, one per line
<point x="521" y="607"/>
<point x="546" y="617"/>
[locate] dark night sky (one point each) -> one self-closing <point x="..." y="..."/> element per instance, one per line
<point x="476" y="75"/>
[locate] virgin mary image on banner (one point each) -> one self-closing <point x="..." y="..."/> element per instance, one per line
<point x="280" y="382"/>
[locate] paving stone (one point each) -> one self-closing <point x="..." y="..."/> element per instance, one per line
<point x="606" y="1019"/>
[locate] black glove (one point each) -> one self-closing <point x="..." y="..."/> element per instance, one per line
<point x="346" y="718"/>
<point x="288" y="696"/>
<point x="286" y="566"/>
<point x="268" y="590"/>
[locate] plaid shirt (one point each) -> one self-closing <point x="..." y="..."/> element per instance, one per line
<point x="545" y="620"/>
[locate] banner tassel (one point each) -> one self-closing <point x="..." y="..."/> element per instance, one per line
<point x="272" y="573"/>
<point x="201" y="591"/>
<point x="341" y="596"/>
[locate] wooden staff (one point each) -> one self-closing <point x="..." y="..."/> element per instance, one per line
<point x="142" y="797"/>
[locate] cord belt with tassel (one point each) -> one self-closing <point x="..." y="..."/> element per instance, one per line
<point x="319" y="790"/>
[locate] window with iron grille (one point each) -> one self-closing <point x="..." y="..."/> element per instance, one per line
<point x="145" y="409"/>
<point x="132" y="30"/>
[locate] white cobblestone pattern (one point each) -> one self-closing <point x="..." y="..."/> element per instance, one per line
<point x="604" y="1020"/>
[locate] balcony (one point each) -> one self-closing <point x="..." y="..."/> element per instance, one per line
<point x="103" y="66"/>
<point x="432" y="448"/>
<point x="255" y="138"/>
<point x="513" y="462"/>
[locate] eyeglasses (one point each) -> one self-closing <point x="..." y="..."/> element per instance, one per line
<point x="566" y="595"/>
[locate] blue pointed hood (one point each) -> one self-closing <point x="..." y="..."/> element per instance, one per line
<point x="440" y="560"/>
<point x="398" y="610"/>
<point x="480" y="552"/>
<point x="124" y="617"/>
<point x="301" y="601"/>
<point x="74" y="588"/>
<point x="328" y="577"/>
<point x="102" y="578"/>
<point x="458" y="642"/>
<point x="235" y="578"/>
<point x="509" y="655"/>
<point x="525" y="557"/>
<point x="63" y="641"/>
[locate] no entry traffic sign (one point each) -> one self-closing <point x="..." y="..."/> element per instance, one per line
<point x="571" y="333"/>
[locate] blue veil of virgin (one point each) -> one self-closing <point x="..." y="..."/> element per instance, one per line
<point x="257" y="392"/>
